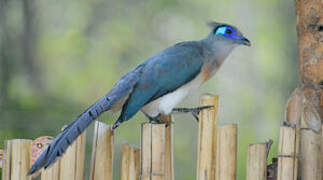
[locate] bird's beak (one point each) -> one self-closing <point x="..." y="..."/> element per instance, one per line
<point x="245" y="41"/>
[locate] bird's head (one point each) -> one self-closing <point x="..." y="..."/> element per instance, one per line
<point x="226" y="34"/>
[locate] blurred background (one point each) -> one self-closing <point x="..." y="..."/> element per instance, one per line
<point x="59" y="57"/>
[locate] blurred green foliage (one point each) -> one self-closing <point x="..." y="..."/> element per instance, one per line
<point x="58" y="57"/>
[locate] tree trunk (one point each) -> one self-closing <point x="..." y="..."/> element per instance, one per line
<point x="310" y="49"/>
<point x="305" y="107"/>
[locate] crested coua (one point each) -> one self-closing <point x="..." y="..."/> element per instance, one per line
<point x="156" y="86"/>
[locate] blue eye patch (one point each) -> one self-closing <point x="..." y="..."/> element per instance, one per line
<point x="224" y="30"/>
<point x="221" y="30"/>
<point x="227" y="32"/>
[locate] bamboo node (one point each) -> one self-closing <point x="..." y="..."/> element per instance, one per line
<point x="157" y="174"/>
<point x="287" y="156"/>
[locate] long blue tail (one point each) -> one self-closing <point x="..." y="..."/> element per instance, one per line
<point x="59" y="145"/>
<point x="69" y="134"/>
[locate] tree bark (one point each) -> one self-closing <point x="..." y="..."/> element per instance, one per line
<point x="305" y="107"/>
<point x="310" y="49"/>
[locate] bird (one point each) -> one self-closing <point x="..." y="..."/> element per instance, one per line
<point x="155" y="86"/>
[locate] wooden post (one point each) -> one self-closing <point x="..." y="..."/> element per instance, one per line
<point x="153" y="143"/>
<point x="130" y="162"/>
<point x="257" y="162"/>
<point x="206" y="155"/>
<point x="169" y="161"/>
<point x="72" y="162"/>
<point x="226" y="152"/>
<point x="17" y="159"/>
<point x="288" y="152"/>
<point x="310" y="156"/>
<point x="102" y="152"/>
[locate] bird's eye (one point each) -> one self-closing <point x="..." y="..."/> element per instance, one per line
<point x="228" y="31"/>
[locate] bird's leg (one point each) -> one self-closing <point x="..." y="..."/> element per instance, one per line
<point x="154" y="120"/>
<point x="194" y="111"/>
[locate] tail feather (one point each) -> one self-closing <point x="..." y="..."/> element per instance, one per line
<point x="68" y="135"/>
<point x="59" y="145"/>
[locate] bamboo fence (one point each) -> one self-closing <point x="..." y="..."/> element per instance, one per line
<point x="216" y="153"/>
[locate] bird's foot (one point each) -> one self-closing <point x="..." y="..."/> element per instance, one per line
<point x="115" y="125"/>
<point x="155" y="120"/>
<point x="194" y="111"/>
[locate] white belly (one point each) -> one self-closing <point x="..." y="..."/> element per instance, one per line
<point x="166" y="103"/>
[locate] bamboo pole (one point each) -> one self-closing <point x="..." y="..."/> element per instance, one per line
<point x="207" y="138"/>
<point x="309" y="28"/>
<point x="169" y="161"/>
<point x="226" y="152"/>
<point x="72" y="162"/>
<point x="39" y="145"/>
<point x="1" y="157"/>
<point x="102" y="152"/>
<point x="17" y="159"/>
<point x="51" y="173"/>
<point x="153" y="143"/>
<point x="288" y="150"/>
<point x="310" y="152"/>
<point x="257" y="162"/>
<point x="130" y="162"/>
<point x="80" y="156"/>
<point x="6" y="161"/>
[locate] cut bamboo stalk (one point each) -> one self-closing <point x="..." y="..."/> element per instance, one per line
<point x="1" y="157"/>
<point x="206" y="155"/>
<point x="169" y="160"/>
<point x="17" y="159"/>
<point x="153" y="140"/>
<point x="257" y="162"/>
<point x="51" y="173"/>
<point x="6" y="161"/>
<point x="226" y="152"/>
<point x="39" y="145"/>
<point x="72" y="162"/>
<point x="102" y="152"/>
<point x="80" y="156"/>
<point x="130" y="162"/>
<point x="288" y="149"/>
<point x="310" y="152"/>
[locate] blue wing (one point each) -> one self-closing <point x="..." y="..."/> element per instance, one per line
<point x="164" y="73"/>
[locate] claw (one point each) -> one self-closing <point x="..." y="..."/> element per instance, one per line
<point x="194" y="111"/>
<point x="202" y="108"/>
<point x="196" y="116"/>
<point x="115" y="125"/>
